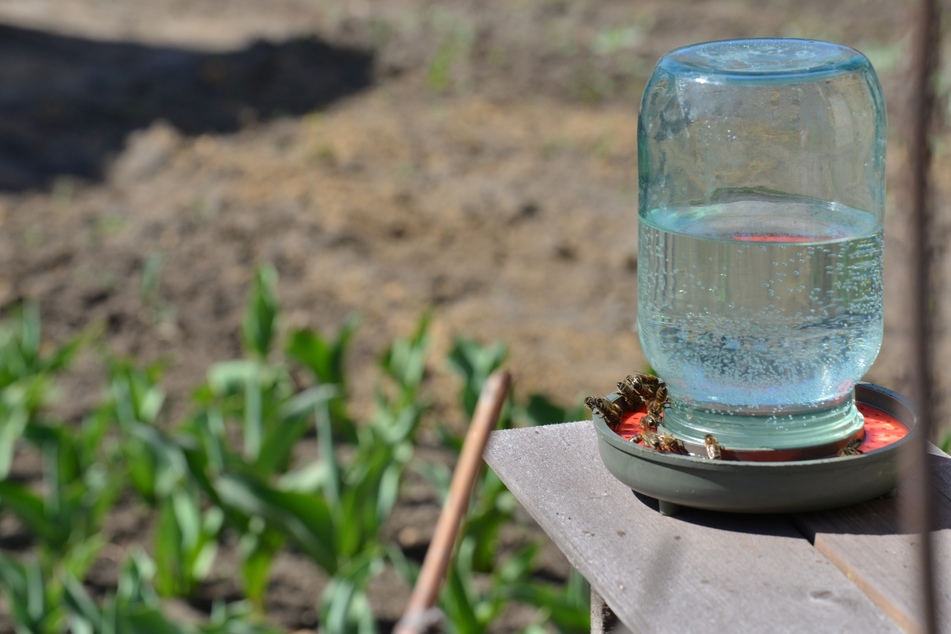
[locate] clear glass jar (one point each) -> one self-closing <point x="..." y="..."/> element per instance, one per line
<point x="762" y="198"/>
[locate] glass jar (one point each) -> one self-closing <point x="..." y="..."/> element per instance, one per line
<point x="761" y="206"/>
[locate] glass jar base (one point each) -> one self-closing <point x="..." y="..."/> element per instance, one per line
<point x="764" y="433"/>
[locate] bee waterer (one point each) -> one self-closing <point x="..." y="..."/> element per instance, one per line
<point x="762" y="485"/>
<point x="761" y="181"/>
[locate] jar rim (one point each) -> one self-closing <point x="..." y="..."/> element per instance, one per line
<point x="763" y="60"/>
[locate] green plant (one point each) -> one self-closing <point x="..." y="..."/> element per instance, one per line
<point x="65" y="510"/>
<point x="325" y="359"/>
<point x="26" y="375"/>
<point x="331" y="509"/>
<point x="186" y="541"/>
<point x="233" y="466"/>
<point x="567" y="607"/>
<point x="135" y="607"/>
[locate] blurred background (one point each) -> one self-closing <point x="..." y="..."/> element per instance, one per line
<point x="472" y="159"/>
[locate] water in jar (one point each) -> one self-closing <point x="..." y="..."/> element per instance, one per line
<point x="768" y="308"/>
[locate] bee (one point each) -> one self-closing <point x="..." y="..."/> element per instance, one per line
<point x="644" y="385"/>
<point x="672" y="444"/>
<point x="650" y="422"/>
<point x="661" y="395"/>
<point x="714" y="450"/>
<point x="631" y="398"/>
<point x="636" y="438"/>
<point x="656" y="408"/>
<point x="851" y="449"/>
<point x="652" y="440"/>
<point x="610" y="411"/>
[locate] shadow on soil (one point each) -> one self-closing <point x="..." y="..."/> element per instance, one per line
<point x="68" y="103"/>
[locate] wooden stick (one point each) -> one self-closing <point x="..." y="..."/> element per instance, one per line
<point x="439" y="553"/>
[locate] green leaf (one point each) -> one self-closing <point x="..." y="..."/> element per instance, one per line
<point x="13" y="421"/>
<point x="170" y="577"/>
<point x="36" y="596"/>
<point x="438" y="475"/>
<point x="388" y="490"/>
<point x="137" y="618"/>
<point x="458" y="601"/>
<point x="260" y="318"/>
<point x="235" y="618"/>
<point x="29" y="508"/>
<point x="29" y="334"/>
<point x="157" y="464"/>
<point x="294" y="419"/>
<point x="90" y="440"/>
<point x="563" y="610"/>
<point x="244" y="377"/>
<point x="406" y="568"/>
<point x="207" y="548"/>
<point x="185" y="542"/>
<point x="405" y="360"/>
<point x="230" y="377"/>
<point x="13" y="582"/>
<point x="474" y="363"/>
<point x="136" y="394"/>
<point x="80" y="604"/>
<point x="332" y="486"/>
<point x="305" y="519"/>
<point x="311" y="478"/>
<point x="325" y="359"/>
<point x="396" y="426"/>
<point x="209" y="428"/>
<point x="135" y="580"/>
<point x="253" y="436"/>
<point x="257" y="547"/>
<point x="78" y="559"/>
<point x="519" y="566"/>
<point x="346" y="609"/>
<point x="64" y="355"/>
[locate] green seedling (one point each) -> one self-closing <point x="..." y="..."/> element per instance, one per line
<point x="566" y="607"/>
<point x="20" y="343"/>
<point x="259" y="327"/>
<point x="186" y="541"/>
<point x="405" y="362"/>
<point x="27" y="375"/>
<point x="33" y="601"/>
<point x="325" y="360"/>
<point x="75" y="496"/>
<point x="474" y="362"/>
<point x="135" y="607"/>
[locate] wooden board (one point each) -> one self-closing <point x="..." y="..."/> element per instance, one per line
<point x="696" y="572"/>
<point x="868" y="543"/>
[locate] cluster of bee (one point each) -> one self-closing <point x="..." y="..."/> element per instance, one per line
<point x="639" y="390"/>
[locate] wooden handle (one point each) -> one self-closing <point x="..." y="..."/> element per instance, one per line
<point x="439" y="553"/>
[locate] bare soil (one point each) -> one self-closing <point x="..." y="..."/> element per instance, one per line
<point x="476" y="159"/>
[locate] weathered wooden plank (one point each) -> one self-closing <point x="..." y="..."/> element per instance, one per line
<point x="867" y="542"/>
<point x="696" y="572"/>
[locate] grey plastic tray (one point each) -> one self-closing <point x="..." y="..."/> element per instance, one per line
<point x="760" y="487"/>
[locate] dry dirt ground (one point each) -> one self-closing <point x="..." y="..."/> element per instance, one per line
<point x="474" y="158"/>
